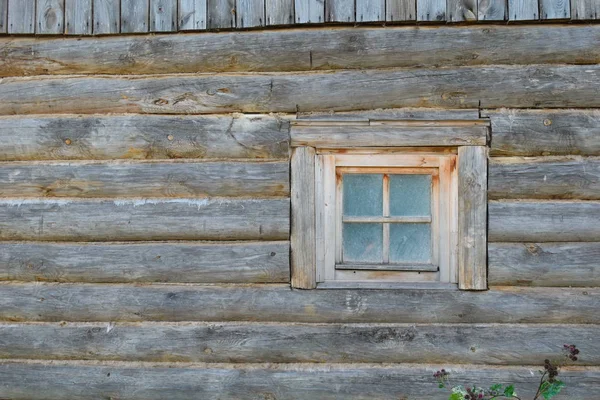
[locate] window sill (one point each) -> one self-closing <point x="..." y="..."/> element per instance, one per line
<point x="387" y="285"/>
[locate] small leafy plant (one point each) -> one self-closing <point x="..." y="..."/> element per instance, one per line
<point x="548" y="387"/>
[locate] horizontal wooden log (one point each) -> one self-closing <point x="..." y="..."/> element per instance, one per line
<point x="239" y="262"/>
<point x="463" y="87"/>
<point x="544" y="178"/>
<point x="343" y="136"/>
<point x="143" y="137"/>
<point x="544" y="132"/>
<point x="548" y="221"/>
<point x="434" y="114"/>
<point x="54" y="302"/>
<point x="544" y="264"/>
<point x="290" y="343"/>
<point x="145" y="381"/>
<point x="145" y="179"/>
<point x="292" y="50"/>
<point x="146" y="219"/>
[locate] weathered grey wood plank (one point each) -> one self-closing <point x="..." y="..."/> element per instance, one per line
<point x="494" y="344"/>
<point x="290" y="50"/>
<point x="545" y="178"/>
<point x="78" y="17"/>
<point x="472" y="217"/>
<point x="370" y="10"/>
<point x="145" y="179"/>
<point x="250" y="13"/>
<point x="143" y="137"/>
<point x="462" y="10"/>
<point x="3" y="16"/>
<point x="106" y="16"/>
<point x="183" y="262"/>
<point x="585" y="9"/>
<point x="431" y="10"/>
<point x="105" y="303"/>
<point x="340" y="10"/>
<point x="555" y="9"/>
<point x="390" y="135"/>
<point x="21" y="16"/>
<point x="163" y="15"/>
<point x="544" y="132"/>
<point x="544" y="264"/>
<point x="467" y="87"/>
<point x="146" y="219"/>
<point x="192" y="15"/>
<point x="433" y="114"/>
<point x="50" y="18"/>
<point x="221" y="14"/>
<point x="401" y="10"/>
<point x="303" y="233"/>
<point x="548" y="221"/>
<point x="309" y="11"/>
<point x="145" y="381"/>
<point x="135" y="16"/>
<point x="523" y="10"/>
<point x="492" y="10"/>
<point x="279" y="12"/>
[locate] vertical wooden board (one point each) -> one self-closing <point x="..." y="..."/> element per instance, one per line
<point x="431" y="10"/>
<point x="472" y="217"/>
<point x="555" y="9"/>
<point x="21" y="16"/>
<point x="221" y="14"/>
<point x="309" y="11"/>
<point x="50" y="19"/>
<point x="134" y="16"/>
<point x="303" y="241"/>
<point x="585" y="9"/>
<point x="106" y="16"/>
<point x="492" y="10"/>
<point x="523" y="10"/>
<point x="370" y="10"/>
<point x="279" y="12"/>
<point x="3" y="16"/>
<point x="192" y="15"/>
<point x="462" y="10"/>
<point x="250" y="13"/>
<point x="401" y="10"/>
<point x="339" y="10"/>
<point x="163" y="15"/>
<point x="78" y="17"/>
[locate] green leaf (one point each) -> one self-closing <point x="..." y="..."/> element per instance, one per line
<point x="551" y="389"/>
<point x="441" y="385"/>
<point x="456" y="396"/>
<point x="496" y="388"/>
<point x="509" y="391"/>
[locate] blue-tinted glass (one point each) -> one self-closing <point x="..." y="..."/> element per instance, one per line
<point x="410" y="195"/>
<point x="410" y="243"/>
<point x="362" y="243"/>
<point x="363" y="195"/>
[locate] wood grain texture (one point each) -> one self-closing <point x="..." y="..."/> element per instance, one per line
<point x="523" y="10"/>
<point x="182" y="262"/>
<point x="3" y="16"/>
<point x="221" y="14"/>
<point x="370" y="10"/>
<point x="547" y="221"/>
<point x="544" y="264"/>
<point x="55" y="302"/>
<point x="143" y="137"/>
<point x="401" y="10"/>
<point x="394" y="114"/>
<point x="545" y="178"/>
<point x="555" y="9"/>
<point x="472" y="217"/>
<point x="340" y="11"/>
<point x="492" y="10"/>
<point x="192" y="15"/>
<point x="585" y="9"/>
<point x="147" y="179"/>
<point x="462" y="10"/>
<point x="250" y="13"/>
<point x="21" y="16"/>
<point x="466" y="87"/>
<point x="342" y="136"/>
<point x="290" y="50"/>
<point x="146" y="219"/>
<point x="544" y="132"/>
<point x="50" y="18"/>
<point x="279" y="12"/>
<point x="135" y="16"/>
<point x="78" y="17"/>
<point x="309" y="11"/>
<point x="494" y="344"/>
<point x="163" y="15"/>
<point x="303" y="232"/>
<point x="106" y="16"/>
<point x="431" y="10"/>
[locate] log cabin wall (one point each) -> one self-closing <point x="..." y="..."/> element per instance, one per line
<point x="144" y="212"/>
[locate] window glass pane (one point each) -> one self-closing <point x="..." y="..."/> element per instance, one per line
<point x="362" y="242"/>
<point x="410" y="243"/>
<point x="410" y="195"/>
<point x="363" y="195"/>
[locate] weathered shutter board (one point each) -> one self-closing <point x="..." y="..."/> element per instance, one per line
<point x="555" y="9"/>
<point x="585" y="9"/>
<point x="401" y="10"/>
<point x="279" y="12"/>
<point x="523" y="10"/>
<point x="192" y="15"/>
<point x="462" y="10"/>
<point x="21" y="16"/>
<point x="163" y="15"/>
<point x="431" y="10"/>
<point x="340" y="11"/>
<point x="370" y="10"/>
<point x="78" y="17"/>
<point x="135" y="16"/>
<point x="221" y="14"/>
<point x="492" y="10"/>
<point x="50" y="17"/>
<point x="106" y="16"/>
<point x="309" y="11"/>
<point x="3" y="16"/>
<point x="250" y="13"/>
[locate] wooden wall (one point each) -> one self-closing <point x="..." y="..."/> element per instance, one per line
<point x="144" y="219"/>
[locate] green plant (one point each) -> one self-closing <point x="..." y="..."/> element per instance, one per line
<point x="548" y="387"/>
